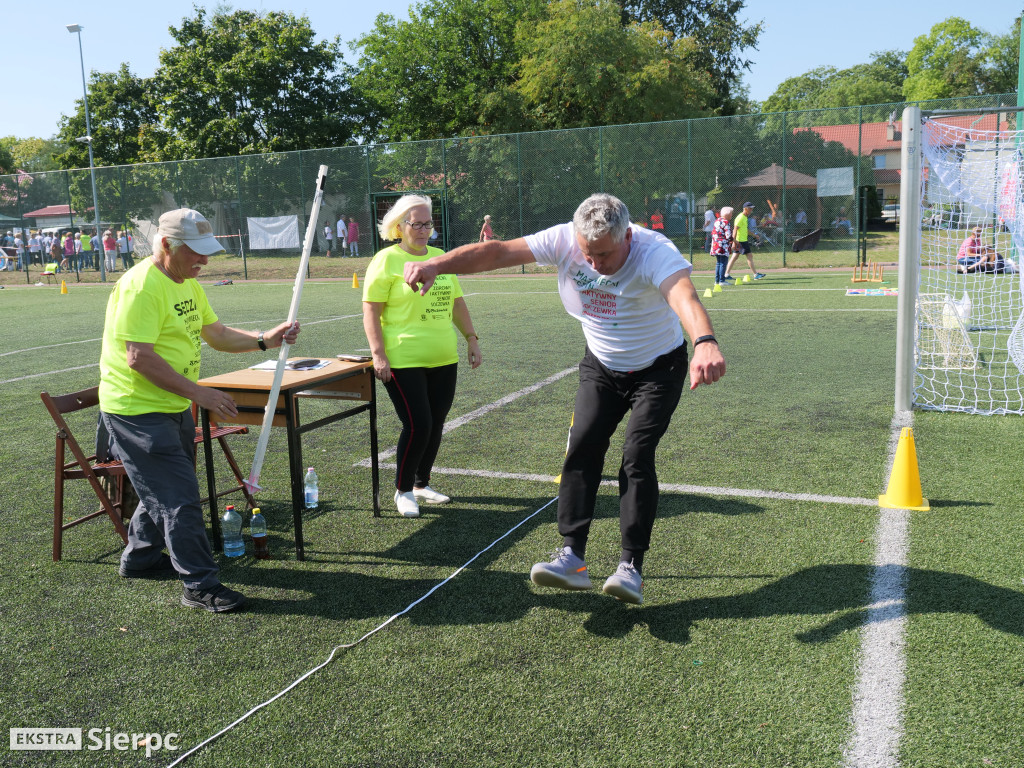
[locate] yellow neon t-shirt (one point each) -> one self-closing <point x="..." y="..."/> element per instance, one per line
<point x="741" y="228"/>
<point x="418" y="330"/>
<point x="147" y="306"/>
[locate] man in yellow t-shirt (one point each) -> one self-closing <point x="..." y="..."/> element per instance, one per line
<point x="741" y="243"/>
<point x="157" y="317"/>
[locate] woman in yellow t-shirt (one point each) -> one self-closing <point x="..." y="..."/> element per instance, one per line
<point x="414" y="346"/>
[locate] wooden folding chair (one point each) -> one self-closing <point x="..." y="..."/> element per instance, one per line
<point x="83" y="467"/>
<point x="218" y="433"/>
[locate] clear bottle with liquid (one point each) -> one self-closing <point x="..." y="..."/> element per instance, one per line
<point x="258" y="531"/>
<point x="312" y="488"/>
<point x="231" y="530"/>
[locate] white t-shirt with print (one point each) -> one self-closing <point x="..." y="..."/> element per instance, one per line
<point x="626" y="320"/>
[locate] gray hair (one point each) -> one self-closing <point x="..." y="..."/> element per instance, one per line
<point x="726" y="211"/>
<point x="172" y="244"/>
<point x="389" y="225"/>
<point x="599" y="215"/>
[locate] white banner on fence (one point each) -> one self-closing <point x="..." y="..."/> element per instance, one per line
<point x="273" y="232"/>
<point x="835" y="181"/>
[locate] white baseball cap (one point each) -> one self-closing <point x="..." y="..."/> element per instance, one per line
<point x="192" y="227"/>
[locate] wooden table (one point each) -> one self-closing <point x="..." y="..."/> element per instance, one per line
<point x="347" y="382"/>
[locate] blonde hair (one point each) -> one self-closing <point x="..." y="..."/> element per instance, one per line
<point x="389" y="226"/>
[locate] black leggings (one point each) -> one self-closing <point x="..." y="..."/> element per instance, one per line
<point x="422" y="398"/>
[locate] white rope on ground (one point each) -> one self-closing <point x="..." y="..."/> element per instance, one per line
<point x="346" y="646"/>
<point x="877" y="715"/>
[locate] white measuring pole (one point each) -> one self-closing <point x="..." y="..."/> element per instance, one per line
<point x="253" y="483"/>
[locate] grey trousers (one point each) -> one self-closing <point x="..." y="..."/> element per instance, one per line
<point x="156" y="449"/>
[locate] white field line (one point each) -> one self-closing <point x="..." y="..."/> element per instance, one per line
<point x="704" y="490"/>
<point x="50" y="373"/>
<point x="830" y="311"/>
<point x="96" y="365"/>
<point x="47" y="346"/>
<point x="877" y="715"/>
<point x="481" y="411"/>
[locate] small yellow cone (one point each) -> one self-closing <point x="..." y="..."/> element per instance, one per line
<point x="355" y="280"/>
<point x="63" y="287"/>
<point x="717" y="288"/>
<point x="904" y="489"/>
<point x="707" y="293"/>
<point x="746" y="278"/>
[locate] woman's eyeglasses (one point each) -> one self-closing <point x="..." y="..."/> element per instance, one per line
<point x="420" y="225"/>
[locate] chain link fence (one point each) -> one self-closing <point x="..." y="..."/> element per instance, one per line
<point x="832" y="170"/>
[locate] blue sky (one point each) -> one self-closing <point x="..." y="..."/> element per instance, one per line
<point x="42" y="73"/>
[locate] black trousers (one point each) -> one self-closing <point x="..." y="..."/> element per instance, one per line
<point x="422" y="398"/>
<point x="603" y="399"/>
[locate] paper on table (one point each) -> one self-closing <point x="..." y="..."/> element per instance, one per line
<point x="270" y="365"/>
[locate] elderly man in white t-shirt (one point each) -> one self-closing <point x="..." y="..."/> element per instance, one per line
<point x="630" y="288"/>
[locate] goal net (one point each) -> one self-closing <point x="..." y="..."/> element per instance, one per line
<point x="969" y="339"/>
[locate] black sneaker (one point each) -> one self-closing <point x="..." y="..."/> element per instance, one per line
<point x="158" y="570"/>
<point x="215" y="600"/>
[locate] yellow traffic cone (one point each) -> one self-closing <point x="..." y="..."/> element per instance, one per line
<point x="707" y="293"/>
<point x="355" y="280"/>
<point x="717" y="288"/>
<point x="904" y="489"/>
<point x="746" y="278"/>
<point x="63" y="288"/>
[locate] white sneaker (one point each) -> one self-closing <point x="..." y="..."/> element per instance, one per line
<point x="406" y="504"/>
<point x="428" y="495"/>
<point x="565" y="571"/>
<point x="625" y="584"/>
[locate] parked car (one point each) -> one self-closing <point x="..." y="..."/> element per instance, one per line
<point x="891" y="212"/>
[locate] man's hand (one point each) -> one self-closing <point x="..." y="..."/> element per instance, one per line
<point x="707" y="365"/>
<point x="284" y="332"/>
<point x="219" y="404"/>
<point x="419" y="273"/>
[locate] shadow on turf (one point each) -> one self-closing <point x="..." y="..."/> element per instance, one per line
<point x="481" y="596"/>
<point x="818" y="591"/>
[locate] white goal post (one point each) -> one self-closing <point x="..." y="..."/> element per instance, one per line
<point x="960" y="326"/>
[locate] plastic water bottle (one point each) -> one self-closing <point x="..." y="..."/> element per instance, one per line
<point x="258" y="531"/>
<point x="231" y="530"/>
<point x="312" y="485"/>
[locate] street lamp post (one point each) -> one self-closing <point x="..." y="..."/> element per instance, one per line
<point x="77" y="29"/>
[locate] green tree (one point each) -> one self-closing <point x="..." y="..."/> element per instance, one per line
<point x="880" y="81"/>
<point x="247" y="82"/>
<point x="32" y="154"/>
<point x="448" y="70"/>
<point x="582" y="67"/>
<point x="6" y="156"/>
<point x="120" y="111"/>
<point x="1002" y="59"/>
<point x="721" y="35"/>
<point x="949" y="61"/>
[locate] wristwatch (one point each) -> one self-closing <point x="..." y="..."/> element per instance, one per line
<point x="260" y="343"/>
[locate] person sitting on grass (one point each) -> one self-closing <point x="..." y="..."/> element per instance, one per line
<point x="975" y="256"/>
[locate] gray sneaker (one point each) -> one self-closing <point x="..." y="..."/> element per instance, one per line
<point x="215" y="600"/>
<point x="565" y="571"/>
<point x="625" y="584"/>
